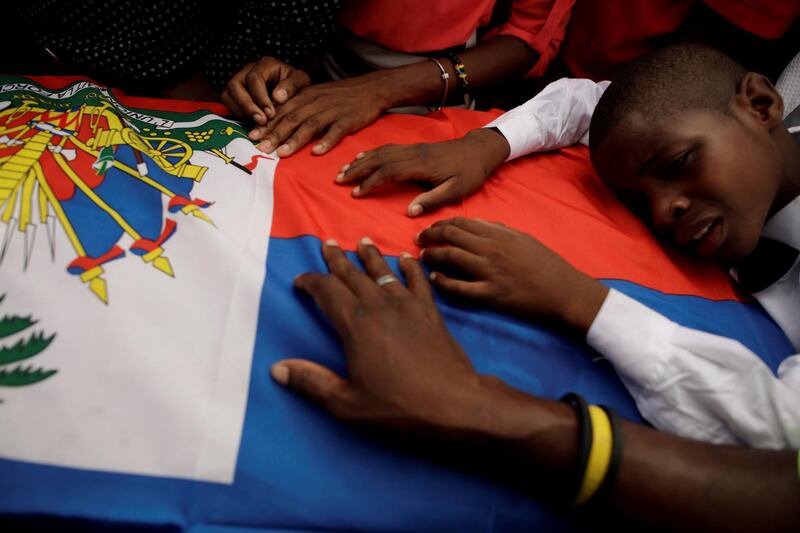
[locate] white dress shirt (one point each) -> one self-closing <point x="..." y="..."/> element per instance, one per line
<point x="558" y="116"/>
<point x="689" y="382"/>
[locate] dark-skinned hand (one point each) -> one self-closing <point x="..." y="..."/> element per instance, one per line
<point x="333" y="109"/>
<point x="248" y="92"/>
<point x="404" y="367"/>
<point x="509" y="271"/>
<point x="407" y="374"/>
<point x="456" y="168"/>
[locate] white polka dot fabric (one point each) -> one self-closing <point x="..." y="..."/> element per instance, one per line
<point x="144" y="43"/>
<point x="288" y="30"/>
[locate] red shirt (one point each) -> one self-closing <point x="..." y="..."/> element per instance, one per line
<point x="424" y="25"/>
<point x="604" y="34"/>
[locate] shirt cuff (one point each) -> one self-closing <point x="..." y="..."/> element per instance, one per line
<point x="522" y="132"/>
<point x="633" y="337"/>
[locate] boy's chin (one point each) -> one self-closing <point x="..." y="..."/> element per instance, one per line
<point x="737" y="248"/>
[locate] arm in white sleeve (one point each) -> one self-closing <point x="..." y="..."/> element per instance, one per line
<point x="697" y="384"/>
<point x="558" y="116"/>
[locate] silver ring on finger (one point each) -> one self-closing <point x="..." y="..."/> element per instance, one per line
<point x="386" y="279"/>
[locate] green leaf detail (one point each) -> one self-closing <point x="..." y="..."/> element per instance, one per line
<point x="21" y="376"/>
<point x="25" y="348"/>
<point x="14" y="324"/>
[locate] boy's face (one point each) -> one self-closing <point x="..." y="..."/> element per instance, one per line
<point x="702" y="178"/>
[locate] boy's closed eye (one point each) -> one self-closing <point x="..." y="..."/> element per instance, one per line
<point x="679" y="163"/>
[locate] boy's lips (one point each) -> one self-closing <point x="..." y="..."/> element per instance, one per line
<point x="711" y="239"/>
<point x="705" y="234"/>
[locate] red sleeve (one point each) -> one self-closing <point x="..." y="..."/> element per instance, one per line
<point x="541" y="25"/>
<point x="768" y="19"/>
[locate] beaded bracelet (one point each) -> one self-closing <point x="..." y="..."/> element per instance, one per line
<point x="461" y="72"/>
<point x="445" y="77"/>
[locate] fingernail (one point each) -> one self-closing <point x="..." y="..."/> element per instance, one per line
<point x="422" y="254"/>
<point x="340" y="176"/>
<point x="359" y="155"/>
<point x="280" y="373"/>
<point x="356" y="190"/>
<point x="257" y="117"/>
<point x="318" y="148"/>
<point x="414" y="210"/>
<point x="416" y="237"/>
<point x="344" y="168"/>
<point x="332" y="242"/>
<point x="265" y="146"/>
<point x="284" y="149"/>
<point x="366" y="241"/>
<point x="433" y="276"/>
<point x="253" y="135"/>
<point x="281" y="95"/>
<point x="406" y="255"/>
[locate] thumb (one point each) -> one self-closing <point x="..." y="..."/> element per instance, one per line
<point x="447" y="192"/>
<point x="312" y="380"/>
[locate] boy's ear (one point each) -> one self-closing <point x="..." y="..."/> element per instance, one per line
<point x="756" y="96"/>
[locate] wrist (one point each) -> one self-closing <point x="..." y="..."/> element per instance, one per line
<point x="416" y="84"/>
<point x="582" y="304"/>
<point x="491" y="147"/>
<point x="524" y="435"/>
<point x="503" y="415"/>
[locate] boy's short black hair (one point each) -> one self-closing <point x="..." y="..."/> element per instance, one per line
<point x="667" y="81"/>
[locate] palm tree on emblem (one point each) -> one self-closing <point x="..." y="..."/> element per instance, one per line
<point x="13" y="373"/>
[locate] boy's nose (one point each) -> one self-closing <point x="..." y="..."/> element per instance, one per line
<point x="668" y="206"/>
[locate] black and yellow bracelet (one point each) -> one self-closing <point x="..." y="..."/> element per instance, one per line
<point x="461" y="72"/>
<point x="584" y="436"/>
<point x="616" y="454"/>
<point x="600" y="449"/>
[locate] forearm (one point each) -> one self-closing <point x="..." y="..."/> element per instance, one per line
<point x="490" y="147"/>
<point x="676" y="482"/>
<point x="663" y="480"/>
<point x="489" y="62"/>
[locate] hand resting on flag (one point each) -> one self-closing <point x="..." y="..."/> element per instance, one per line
<point x="408" y="377"/>
<point x="335" y="109"/>
<point x="455" y="168"/>
<point x="251" y="91"/>
<point x="510" y="271"/>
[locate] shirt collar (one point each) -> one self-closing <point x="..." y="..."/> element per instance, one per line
<point x="784" y="226"/>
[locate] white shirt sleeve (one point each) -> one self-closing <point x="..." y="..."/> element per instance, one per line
<point x="558" y="116"/>
<point x="697" y="384"/>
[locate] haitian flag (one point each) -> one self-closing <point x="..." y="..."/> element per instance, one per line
<point x="126" y="410"/>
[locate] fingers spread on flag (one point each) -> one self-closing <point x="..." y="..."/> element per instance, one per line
<point x="352" y="276"/>
<point x="453" y="258"/>
<point x="450" y="233"/>
<point x="415" y="276"/>
<point x="447" y="192"/>
<point x="377" y="267"/>
<point x="332" y="296"/>
<point x="313" y="381"/>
